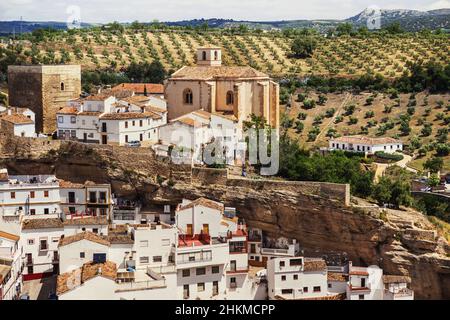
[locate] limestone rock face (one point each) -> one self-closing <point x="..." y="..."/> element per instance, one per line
<point x="403" y="243"/>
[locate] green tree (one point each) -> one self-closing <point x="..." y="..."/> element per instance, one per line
<point x="146" y="72"/>
<point x="303" y="47"/>
<point x="434" y="180"/>
<point x="426" y="130"/>
<point x="434" y="165"/>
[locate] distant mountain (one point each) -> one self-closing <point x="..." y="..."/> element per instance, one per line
<point x="11" y="27"/>
<point x="410" y="20"/>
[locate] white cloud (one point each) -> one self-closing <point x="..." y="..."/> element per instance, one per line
<point x="147" y="10"/>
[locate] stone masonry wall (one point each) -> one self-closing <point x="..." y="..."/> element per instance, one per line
<point x="39" y="88"/>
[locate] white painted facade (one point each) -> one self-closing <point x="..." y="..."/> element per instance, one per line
<point x="74" y="255"/>
<point x="104" y="119"/>
<point x="11" y="280"/>
<point x="29" y="195"/>
<point x="194" y="131"/>
<point x="40" y="249"/>
<point x="366" y="145"/>
<point x="287" y="278"/>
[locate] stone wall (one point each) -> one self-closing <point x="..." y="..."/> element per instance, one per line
<point x="334" y="191"/>
<point x="44" y="89"/>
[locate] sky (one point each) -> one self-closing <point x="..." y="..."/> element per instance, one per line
<point x="102" y="11"/>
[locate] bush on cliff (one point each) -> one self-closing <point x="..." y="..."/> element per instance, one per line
<point x="300" y="165"/>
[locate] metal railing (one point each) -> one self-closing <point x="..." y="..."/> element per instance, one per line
<point x="150" y="284"/>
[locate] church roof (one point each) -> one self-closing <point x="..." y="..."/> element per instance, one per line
<point x="211" y="73"/>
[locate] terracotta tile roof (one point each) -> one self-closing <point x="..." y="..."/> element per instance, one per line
<point x="63" y="184"/>
<point x="89" y="113"/>
<point x="86" y="221"/>
<point x="203" y="202"/>
<point x="120" y="239"/>
<point x="396" y="279"/>
<point x="188" y="121"/>
<point x="202" y="113"/>
<point x="152" y="88"/>
<point x="9" y="236"/>
<point x="126" y="115"/>
<point x="139" y="100"/>
<point x="90" y="236"/>
<point x="210" y="73"/>
<point x="228" y="116"/>
<point x="71" y="280"/>
<point x="155" y="109"/>
<point x="315" y="265"/>
<point x="16" y="118"/>
<point x="50" y="223"/>
<point x="365" y="140"/>
<point x="68" y="110"/>
<point x="99" y="97"/>
<point x="336" y="276"/>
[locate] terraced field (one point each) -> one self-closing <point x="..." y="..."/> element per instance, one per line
<point x="369" y="114"/>
<point x="267" y="52"/>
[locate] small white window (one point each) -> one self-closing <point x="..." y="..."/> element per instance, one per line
<point x="143" y="243"/>
<point x="30" y="242"/>
<point x="60" y="119"/>
<point x="165" y="242"/>
<point x="55" y="239"/>
<point x="143" y="260"/>
<point x="167" y="208"/>
<point x="73" y="119"/>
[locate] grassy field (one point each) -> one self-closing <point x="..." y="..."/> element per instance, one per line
<point x="418" y="163"/>
<point x="267" y="52"/>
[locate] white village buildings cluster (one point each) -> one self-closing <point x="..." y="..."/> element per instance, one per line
<point x="206" y="104"/>
<point x="103" y="247"/>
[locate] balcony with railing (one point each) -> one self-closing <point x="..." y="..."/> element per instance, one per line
<point x="139" y="280"/>
<point x="46" y="181"/>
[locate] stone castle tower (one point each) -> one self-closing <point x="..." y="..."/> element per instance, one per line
<point x="44" y="89"/>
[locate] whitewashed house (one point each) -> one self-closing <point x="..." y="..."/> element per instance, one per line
<point x="18" y="121"/>
<point x="104" y="119"/>
<point x="28" y="195"/>
<point x="397" y="288"/>
<point x="39" y="239"/>
<point x="297" y="278"/>
<point x="212" y="261"/>
<point x="78" y="224"/>
<point x="81" y="248"/>
<point x="365" y="144"/>
<point x="11" y="280"/>
<point x="93" y="281"/>
<point x="85" y="199"/>
<point x="191" y="133"/>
